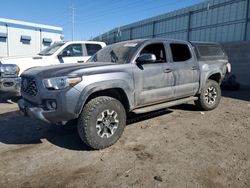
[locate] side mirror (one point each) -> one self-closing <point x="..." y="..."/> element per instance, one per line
<point x="146" y="58"/>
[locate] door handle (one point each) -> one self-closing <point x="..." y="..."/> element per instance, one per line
<point x="80" y="61"/>
<point x="194" y="67"/>
<point x="167" y="70"/>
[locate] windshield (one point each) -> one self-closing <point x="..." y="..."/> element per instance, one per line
<point x="119" y="53"/>
<point x="51" y="49"/>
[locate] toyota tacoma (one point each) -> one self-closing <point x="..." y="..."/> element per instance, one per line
<point x="135" y="76"/>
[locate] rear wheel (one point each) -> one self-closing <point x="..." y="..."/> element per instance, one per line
<point x="210" y="97"/>
<point x="101" y="122"/>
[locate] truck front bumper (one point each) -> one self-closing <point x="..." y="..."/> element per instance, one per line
<point x="48" y="116"/>
<point x="27" y="109"/>
<point x="12" y="85"/>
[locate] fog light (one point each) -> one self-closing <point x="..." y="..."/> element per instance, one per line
<point x="51" y="104"/>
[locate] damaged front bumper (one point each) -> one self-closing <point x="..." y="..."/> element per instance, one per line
<point x="53" y="116"/>
<point x="29" y="110"/>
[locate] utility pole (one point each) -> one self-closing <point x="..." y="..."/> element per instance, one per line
<point x="73" y="21"/>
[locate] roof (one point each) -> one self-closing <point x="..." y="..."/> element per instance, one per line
<point x="152" y="39"/>
<point x="204" y="42"/>
<point x="86" y="41"/>
<point x="29" y="24"/>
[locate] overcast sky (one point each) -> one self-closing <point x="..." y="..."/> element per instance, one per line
<point x="92" y="17"/>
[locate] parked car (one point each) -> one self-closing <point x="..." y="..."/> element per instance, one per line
<point x="136" y="76"/>
<point x="57" y="53"/>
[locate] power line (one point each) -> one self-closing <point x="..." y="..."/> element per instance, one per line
<point x="116" y="9"/>
<point x="61" y="20"/>
<point x="91" y="5"/>
<point x="152" y="8"/>
<point x="134" y="11"/>
<point x="136" y="8"/>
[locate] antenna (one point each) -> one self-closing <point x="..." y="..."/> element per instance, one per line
<point x="73" y="22"/>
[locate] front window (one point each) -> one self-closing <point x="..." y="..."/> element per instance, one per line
<point x="51" y="49"/>
<point x="158" y="50"/>
<point x="119" y="53"/>
<point x="73" y="50"/>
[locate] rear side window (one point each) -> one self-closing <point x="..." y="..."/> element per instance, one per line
<point x="180" y="52"/>
<point x="210" y="50"/>
<point x="92" y="48"/>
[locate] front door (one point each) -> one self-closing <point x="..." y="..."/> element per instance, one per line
<point x="153" y="81"/>
<point x="73" y="53"/>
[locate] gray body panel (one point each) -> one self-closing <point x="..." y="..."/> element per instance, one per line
<point x="143" y="85"/>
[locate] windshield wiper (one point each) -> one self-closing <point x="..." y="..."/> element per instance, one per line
<point x="44" y="54"/>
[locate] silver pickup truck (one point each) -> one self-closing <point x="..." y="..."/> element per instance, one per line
<point x="136" y="76"/>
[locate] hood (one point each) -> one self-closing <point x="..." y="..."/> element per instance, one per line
<point x="7" y="60"/>
<point x="62" y="69"/>
<point x="24" y="62"/>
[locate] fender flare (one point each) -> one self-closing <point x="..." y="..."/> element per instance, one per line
<point x="100" y="86"/>
<point x="205" y="78"/>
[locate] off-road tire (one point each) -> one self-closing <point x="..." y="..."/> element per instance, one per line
<point x="202" y="103"/>
<point x="88" y="120"/>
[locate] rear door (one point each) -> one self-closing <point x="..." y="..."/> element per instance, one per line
<point x="185" y="69"/>
<point x="153" y="81"/>
<point x="91" y="49"/>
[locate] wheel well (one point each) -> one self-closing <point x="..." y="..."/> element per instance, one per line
<point x="216" y="77"/>
<point x="116" y="93"/>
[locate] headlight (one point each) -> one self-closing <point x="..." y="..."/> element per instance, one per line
<point x="17" y="69"/>
<point x="61" y="82"/>
<point x="9" y="69"/>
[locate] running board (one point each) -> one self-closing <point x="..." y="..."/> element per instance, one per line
<point x="163" y="105"/>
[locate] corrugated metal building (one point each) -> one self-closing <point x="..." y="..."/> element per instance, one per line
<point x="214" y="20"/>
<point x="24" y="38"/>
<point x="224" y="21"/>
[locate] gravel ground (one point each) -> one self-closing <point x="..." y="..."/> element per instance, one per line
<point x="178" y="147"/>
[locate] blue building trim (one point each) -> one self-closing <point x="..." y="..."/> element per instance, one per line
<point x="19" y="26"/>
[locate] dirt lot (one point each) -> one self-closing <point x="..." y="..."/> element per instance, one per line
<point x="179" y="147"/>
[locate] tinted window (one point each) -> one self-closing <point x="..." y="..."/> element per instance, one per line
<point x="210" y="50"/>
<point x="158" y="50"/>
<point x="92" y="48"/>
<point x="180" y="52"/>
<point x="74" y="50"/>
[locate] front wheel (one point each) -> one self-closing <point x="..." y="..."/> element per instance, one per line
<point x="102" y="122"/>
<point x="210" y="96"/>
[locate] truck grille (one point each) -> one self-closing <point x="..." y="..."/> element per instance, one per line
<point x="28" y="86"/>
